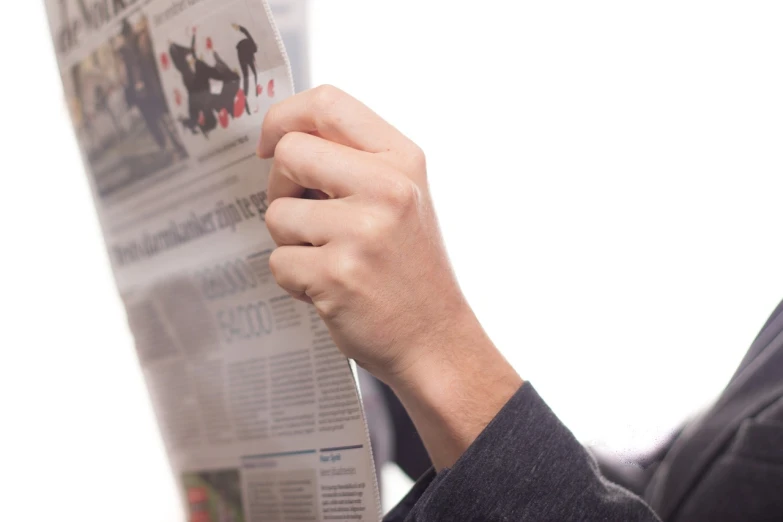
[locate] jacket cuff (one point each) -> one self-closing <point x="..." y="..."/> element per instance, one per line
<point x="525" y="465"/>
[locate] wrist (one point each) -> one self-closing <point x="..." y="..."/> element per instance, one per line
<point x="455" y="388"/>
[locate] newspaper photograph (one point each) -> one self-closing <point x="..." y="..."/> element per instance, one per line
<point x="259" y="411"/>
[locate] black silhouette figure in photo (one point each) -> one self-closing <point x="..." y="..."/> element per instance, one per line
<point x="179" y="57"/>
<point x="230" y="79"/>
<point x="195" y="75"/>
<point x="204" y="99"/>
<point x="246" y="52"/>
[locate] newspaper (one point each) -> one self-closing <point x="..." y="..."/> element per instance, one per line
<point x="259" y="411"/>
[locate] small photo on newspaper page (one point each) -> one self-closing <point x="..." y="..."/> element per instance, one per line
<point x="214" y="496"/>
<point x="218" y="74"/>
<point x="120" y="113"/>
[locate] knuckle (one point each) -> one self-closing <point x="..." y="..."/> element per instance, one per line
<point x="272" y="216"/>
<point x="411" y="159"/>
<point x="270" y="120"/>
<point x="402" y="194"/>
<point x="286" y="148"/>
<point x="275" y="264"/>
<point x="327" y="308"/>
<point x="344" y="269"/>
<point x="370" y="228"/>
<point x="326" y="95"/>
<point x="325" y="98"/>
<point x="417" y="158"/>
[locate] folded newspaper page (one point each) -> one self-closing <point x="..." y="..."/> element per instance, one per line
<point x="259" y="411"/>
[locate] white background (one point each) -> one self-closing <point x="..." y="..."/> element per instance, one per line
<point x="608" y="177"/>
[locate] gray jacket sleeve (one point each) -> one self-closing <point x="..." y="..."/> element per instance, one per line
<point x="525" y="466"/>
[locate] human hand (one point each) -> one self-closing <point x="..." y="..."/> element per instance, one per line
<point x="370" y="257"/>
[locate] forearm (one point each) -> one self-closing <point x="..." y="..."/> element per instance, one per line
<point x="456" y="386"/>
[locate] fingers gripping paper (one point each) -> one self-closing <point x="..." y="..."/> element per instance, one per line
<point x="258" y="409"/>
